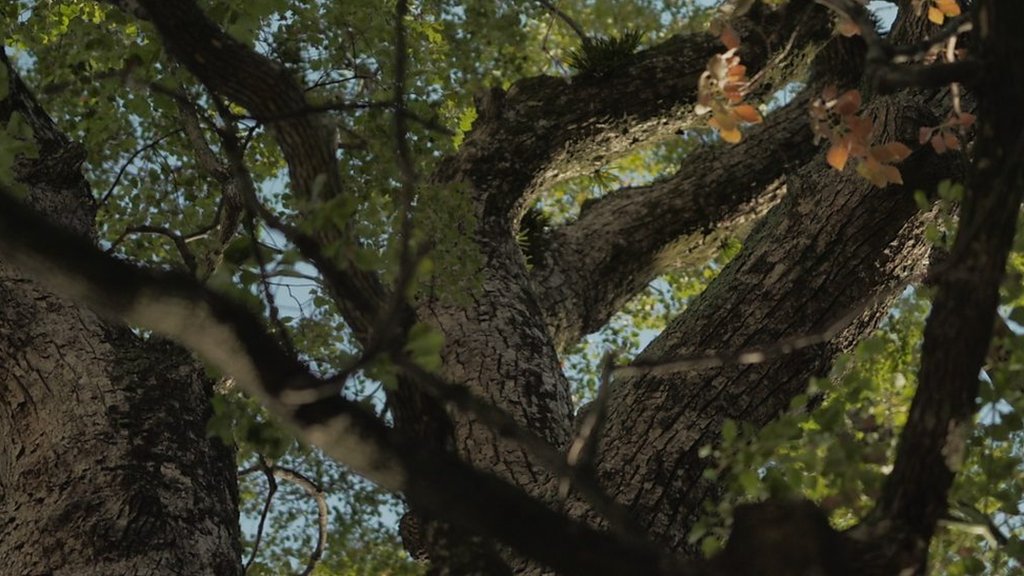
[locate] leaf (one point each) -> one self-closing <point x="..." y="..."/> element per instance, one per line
<point x="747" y="113"/>
<point x="837" y="156"/>
<point x="848" y="103"/>
<point x="729" y="38"/>
<point x="847" y="27"/>
<point x="925" y="134"/>
<point x="891" y="153"/>
<point x="936" y="15"/>
<point x="938" y="143"/>
<point x="424" y="346"/>
<point x="949" y="8"/>
<point x="729" y="431"/>
<point x="952" y="142"/>
<point x="732" y="136"/>
<point x="966" y="119"/>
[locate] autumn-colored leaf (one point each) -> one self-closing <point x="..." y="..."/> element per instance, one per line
<point x="924" y="134"/>
<point x="879" y="174"/>
<point x="891" y="152"/>
<point x="938" y="143"/>
<point x="837" y="156"/>
<point x="848" y="103"/>
<point x="731" y="136"/>
<point x="747" y="113"/>
<point x="860" y="128"/>
<point x="847" y="27"/>
<point x="952" y="142"/>
<point x="724" y="119"/>
<point x="965" y="119"/>
<point x="936" y="15"/>
<point x="949" y="8"/>
<point x="729" y="37"/>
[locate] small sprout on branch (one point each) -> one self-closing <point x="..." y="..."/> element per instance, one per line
<point x="835" y="117"/>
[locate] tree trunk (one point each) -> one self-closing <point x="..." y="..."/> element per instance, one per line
<point x="105" y="466"/>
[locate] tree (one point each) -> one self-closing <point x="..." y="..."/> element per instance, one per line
<point x="407" y="161"/>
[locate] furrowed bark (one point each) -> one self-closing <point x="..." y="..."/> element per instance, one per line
<point x="591" y="270"/>
<point x="832" y="243"/>
<point x="105" y="466"/>
<point x="547" y="129"/>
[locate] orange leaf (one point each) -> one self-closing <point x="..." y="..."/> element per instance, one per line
<point x="891" y="153"/>
<point x="925" y="134"/>
<point x="892" y="174"/>
<point x="965" y="119"/>
<point x="847" y="27"/>
<point x="731" y="136"/>
<point x="936" y="15"/>
<point x="729" y="37"/>
<point x="848" y="102"/>
<point x="948" y="7"/>
<point x="747" y="113"/>
<point x="724" y="119"/>
<point x="837" y="156"/>
<point x="952" y="142"/>
<point x="938" y="144"/>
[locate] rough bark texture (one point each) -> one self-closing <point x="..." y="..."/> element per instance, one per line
<point x="832" y="245"/>
<point x="818" y="255"/>
<point x="105" y="466"/>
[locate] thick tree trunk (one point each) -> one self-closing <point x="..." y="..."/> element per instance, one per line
<point x="105" y="467"/>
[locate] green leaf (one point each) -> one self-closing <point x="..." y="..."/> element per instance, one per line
<point x="424" y="346"/>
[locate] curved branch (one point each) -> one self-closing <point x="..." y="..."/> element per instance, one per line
<point x="546" y="129"/>
<point x="590" y="271"/>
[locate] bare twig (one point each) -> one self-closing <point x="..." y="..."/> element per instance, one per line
<point x="754" y="354"/>
<point x="565" y="18"/>
<point x="117" y="179"/>
<point x="505" y="426"/>
<point x="179" y="241"/>
<point x="318" y="495"/>
<point x="883" y="67"/>
<point x="271" y="490"/>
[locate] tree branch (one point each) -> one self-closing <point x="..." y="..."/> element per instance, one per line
<point x="589" y="271"/>
<point x="265" y="88"/>
<point x="833" y="242"/>
<point x="546" y="129"/>
<point x="957" y="335"/>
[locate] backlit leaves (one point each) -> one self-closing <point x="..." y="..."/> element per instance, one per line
<point x="835" y="117"/>
<point x="721" y="89"/>
<point x="946" y="136"/>
<point x="938" y="10"/>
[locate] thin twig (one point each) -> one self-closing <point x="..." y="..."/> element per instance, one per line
<point x="127" y="163"/>
<point x="317" y="493"/>
<point x="505" y="426"/>
<point x="754" y="354"/>
<point x="565" y="18"/>
<point x="179" y="241"/>
<point x="271" y="489"/>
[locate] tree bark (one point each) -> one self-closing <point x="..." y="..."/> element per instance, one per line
<point x="105" y="467"/>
